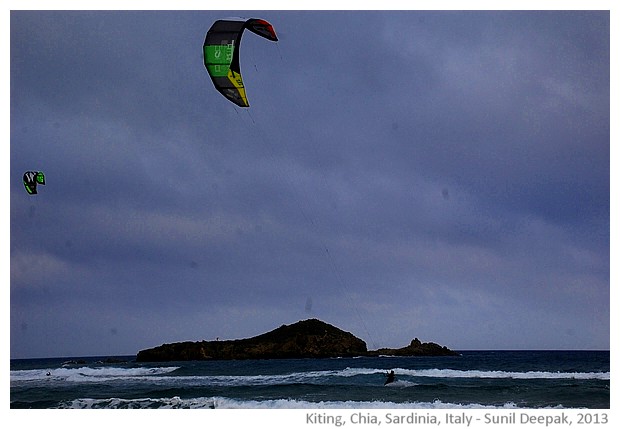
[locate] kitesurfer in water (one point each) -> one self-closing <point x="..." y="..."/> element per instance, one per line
<point x="390" y="377"/>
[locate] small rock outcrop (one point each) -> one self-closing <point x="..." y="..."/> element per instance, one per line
<point x="305" y="339"/>
<point x="416" y="348"/>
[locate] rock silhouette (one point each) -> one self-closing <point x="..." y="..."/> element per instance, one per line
<point x="305" y="339"/>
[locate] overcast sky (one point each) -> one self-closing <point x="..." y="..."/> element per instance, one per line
<point x="441" y="175"/>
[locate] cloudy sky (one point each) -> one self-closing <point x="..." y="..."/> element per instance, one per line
<point x="441" y="175"/>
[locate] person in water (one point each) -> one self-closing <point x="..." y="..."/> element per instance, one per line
<point x="390" y="377"/>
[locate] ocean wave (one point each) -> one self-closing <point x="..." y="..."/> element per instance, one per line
<point x="230" y="403"/>
<point x="453" y="373"/>
<point x="87" y="373"/>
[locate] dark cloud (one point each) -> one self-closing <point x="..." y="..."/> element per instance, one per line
<point x="443" y="175"/>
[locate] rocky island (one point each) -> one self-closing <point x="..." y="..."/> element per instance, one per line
<point x="305" y="339"/>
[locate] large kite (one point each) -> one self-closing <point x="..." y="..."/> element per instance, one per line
<point x="221" y="55"/>
<point x="31" y="179"/>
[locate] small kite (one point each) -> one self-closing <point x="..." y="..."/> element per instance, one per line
<point x="221" y="55"/>
<point x="32" y="179"/>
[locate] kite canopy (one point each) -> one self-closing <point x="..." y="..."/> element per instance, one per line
<point x="221" y="55"/>
<point x="31" y="179"/>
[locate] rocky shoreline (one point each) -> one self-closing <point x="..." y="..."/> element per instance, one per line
<point x="310" y="338"/>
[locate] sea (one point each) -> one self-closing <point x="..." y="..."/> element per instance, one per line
<point x="472" y="380"/>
